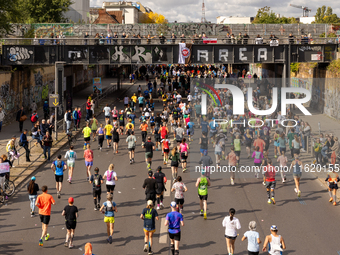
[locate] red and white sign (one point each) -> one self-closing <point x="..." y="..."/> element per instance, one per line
<point x="315" y="57"/>
<point x="185" y="52"/>
<point x="209" y="40"/>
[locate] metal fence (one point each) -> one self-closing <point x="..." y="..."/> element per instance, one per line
<point x="167" y="40"/>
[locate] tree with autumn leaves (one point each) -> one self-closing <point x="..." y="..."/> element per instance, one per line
<point x="153" y="17"/>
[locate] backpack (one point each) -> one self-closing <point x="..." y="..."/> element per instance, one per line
<point x="109" y="176"/>
<point x="96" y="180"/>
<point x="109" y="207"/>
<point x="257" y="154"/>
<point x="75" y="115"/>
<point x="121" y="117"/>
<point x="59" y="164"/>
<point x="34" y="118"/>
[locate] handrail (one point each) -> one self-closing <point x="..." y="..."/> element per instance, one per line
<point x="83" y="108"/>
<point x="156" y="40"/>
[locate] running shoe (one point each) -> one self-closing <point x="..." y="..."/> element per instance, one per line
<point x="269" y="201"/>
<point x="299" y="193"/>
<point x="58" y="195"/>
<point x="205" y="215"/>
<point x="164" y="163"/>
<point x="100" y="148"/>
<point x="41" y="242"/>
<point x="201" y="212"/>
<point x="70" y="246"/>
<point x="284" y="178"/>
<point x="334" y="203"/>
<point x="117" y="152"/>
<point x="158" y="207"/>
<point x="150" y="253"/>
<point x="130" y="161"/>
<point x="275" y="156"/>
<point x="84" y="147"/>
<point x="331" y="200"/>
<point x="264" y="184"/>
<point x="184" y="170"/>
<point x="110" y="239"/>
<point x="47" y="237"/>
<point x="146" y="246"/>
<point x="256" y="176"/>
<point x="273" y="201"/>
<point x="162" y="206"/>
<point x="295" y="190"/>
<point x="96" y="209"/>
<point x="148" y="166"/>
<point x="66" y="244"/>
<point x="232" y="182"/>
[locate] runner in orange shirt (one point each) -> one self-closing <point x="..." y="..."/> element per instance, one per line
<point x="144" y="128"/>
<point x="44" y="202"/>
<point x="259" y="142"/>
<point x="269" y="171"/>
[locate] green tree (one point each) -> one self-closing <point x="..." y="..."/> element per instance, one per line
<point x="7" y="11"/>
<point x="324" y="16"/>
<point x="266" y="16"/>
<point x="41" y="11"/>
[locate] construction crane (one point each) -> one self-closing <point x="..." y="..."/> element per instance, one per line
<point x="305" y="10"/>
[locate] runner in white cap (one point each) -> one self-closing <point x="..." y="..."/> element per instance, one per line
<point x="275" y="241"/>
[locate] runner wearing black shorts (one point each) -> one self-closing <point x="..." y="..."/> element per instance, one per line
<point x="71" y="214"/>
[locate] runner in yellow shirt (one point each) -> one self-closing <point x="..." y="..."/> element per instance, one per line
<point x="108" y="129"/>
<point x="87" y="135"/>
<point x="134" y="99"/>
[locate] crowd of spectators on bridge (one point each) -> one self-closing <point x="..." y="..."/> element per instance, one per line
<point x="126" y="38"/>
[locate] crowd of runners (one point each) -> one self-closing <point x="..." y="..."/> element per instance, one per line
<point x="170" y="119"/>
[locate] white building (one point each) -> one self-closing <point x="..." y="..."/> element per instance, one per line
<point x="130" y="11"/>
<point x="307" y="20"/>
<point x="234" y="20"/>
<point x="78" y="11"/>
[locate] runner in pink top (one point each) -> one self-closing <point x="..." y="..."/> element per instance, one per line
<point x="88" y="155"/>
<point x="258" y="156"/>
<point x="183" y="147"/>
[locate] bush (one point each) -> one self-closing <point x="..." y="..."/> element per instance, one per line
<point x="294" y="67"/>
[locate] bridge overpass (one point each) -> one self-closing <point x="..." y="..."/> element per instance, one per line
<point x="133" y="53"/>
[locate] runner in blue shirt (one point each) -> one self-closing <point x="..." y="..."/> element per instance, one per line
<point x="141" y="102"/>
<point x="204" y="125"/>
<point x="59" y="166"/>
<point x="213" y="129"/>
<point x="174" y="220"/>
<point x="132" y="116"/>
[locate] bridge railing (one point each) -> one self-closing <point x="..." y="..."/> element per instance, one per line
<point x="167" y="40"/>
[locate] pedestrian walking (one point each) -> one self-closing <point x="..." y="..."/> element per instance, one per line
<point x="71" y="214"/>
<point x="96" y="180"/>
<point x="21" y="117"/>
<point x="59" y="166"/>
<point x="44" y="203"/>
<point x="24" y="143"/>
<point x="174" y="221"/>
<point x="2" y="117"/>
<point x="253" y="238"/>
<point x="202" y="184"/>
<point x="149" y="215"/>
<point x="231" y="224"/>
<point x="47" y="141"/>
<point x="71" y="157"/>
<point x="32" y="189"/>
<point x="88" y="155"/>
<point x="75" y="119"/>
<point x="111" y="177"/>
<point x="275" y="241"/>
<point x="109" y="208"/>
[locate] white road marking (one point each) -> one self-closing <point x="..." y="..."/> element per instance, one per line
<point x="163" y="237"/>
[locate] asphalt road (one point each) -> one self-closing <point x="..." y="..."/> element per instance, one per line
<point x="309" y="225"/>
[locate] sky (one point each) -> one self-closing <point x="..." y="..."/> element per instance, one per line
<point x="177" y="10"/>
